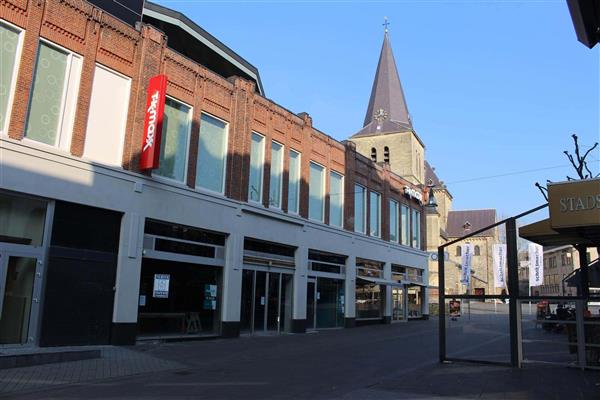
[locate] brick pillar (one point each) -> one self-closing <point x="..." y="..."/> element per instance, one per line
<point x="85" y="84"/>
<point x="33" y="24"/>
<point x="305" y="163"/>
<point x="238" y="158"/>
<point x="350" y="155"/>
<point x="148" y="62"/>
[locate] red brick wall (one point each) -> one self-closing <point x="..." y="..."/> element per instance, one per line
<point x="101" y="38"/>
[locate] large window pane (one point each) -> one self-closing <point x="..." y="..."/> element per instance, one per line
<point x="47" y="95"/>
<point x="360" y="210"/>
<point x="212" y="154"/>
<point x="175" y="139"/>
<point x="405" y="225"/>
<point x="9" y="42"/>
<point x="294" y="182"/>
<point x="375" y="214"/>
<point x="22" y="220"/>
<point x="336" y="199"/>
<point x="316" y="192"/>
<point x="416" y="229"/>
<point x="393" y="221"/>
<point x="276" y="175"/>
<point x="257" y="151"/>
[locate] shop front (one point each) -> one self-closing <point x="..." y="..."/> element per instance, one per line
<point x="181" y="282"/>
<point x="267" y="288"/>
<point x="325" y="297"/>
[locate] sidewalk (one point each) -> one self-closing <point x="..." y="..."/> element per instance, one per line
<point x="115" y="362"/>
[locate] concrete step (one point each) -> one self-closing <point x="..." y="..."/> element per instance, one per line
<point x="40" y="357"/>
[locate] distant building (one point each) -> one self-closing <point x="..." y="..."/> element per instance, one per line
<point x="559" y="264"/>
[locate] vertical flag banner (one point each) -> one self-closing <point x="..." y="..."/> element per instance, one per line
<point x="536" y="264"/>
<point x="499" y="257"/>
<point x="467" y="260"/>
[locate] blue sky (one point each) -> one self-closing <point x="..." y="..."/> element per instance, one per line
<point x="493" y="87"/>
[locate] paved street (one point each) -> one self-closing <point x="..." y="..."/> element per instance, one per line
<point x="398" y="361"/>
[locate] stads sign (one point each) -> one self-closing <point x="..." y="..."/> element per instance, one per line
<point x="574" y="203"/>
<point x="153" y="121"/>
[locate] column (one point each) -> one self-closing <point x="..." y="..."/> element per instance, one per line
<point x="231" y="291"/>
<point x="300" y="282"/>
<point x="350" y="292"/>
<point x="387" y="307"/>
<point x="127" y="282"/>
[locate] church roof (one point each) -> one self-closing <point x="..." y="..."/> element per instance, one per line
<point x="387" y="111"/>
<point x="463" y="222"/>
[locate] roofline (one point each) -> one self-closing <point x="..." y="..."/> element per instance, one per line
<point x="359" y="135"/>
<point x="475" y="209"/>
<point x="178" y="19"/>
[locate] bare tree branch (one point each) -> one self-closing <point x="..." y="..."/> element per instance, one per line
<point x="543" y="190"/>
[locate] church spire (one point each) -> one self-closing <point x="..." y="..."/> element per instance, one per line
<point x="387" y="110"/>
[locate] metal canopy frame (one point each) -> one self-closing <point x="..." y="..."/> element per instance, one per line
<point x="512" y="235"/>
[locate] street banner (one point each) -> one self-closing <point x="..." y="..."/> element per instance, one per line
<point x="536" y="264"/>
<point x="499" y="258"/>
<point x="467" y="260"/>
<point x="153" y="121"/>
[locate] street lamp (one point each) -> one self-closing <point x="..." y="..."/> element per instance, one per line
<point x="431" y="201"/>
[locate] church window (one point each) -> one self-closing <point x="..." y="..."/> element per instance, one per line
<point x="374" y="154"/>
<point x="386" y="155"/>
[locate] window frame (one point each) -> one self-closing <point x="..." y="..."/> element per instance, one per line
<point x="262" y="168"/>
<point x="379" y="214"/>
<point x="364" y="208"/>
<point x="14" y="76"/>
<point x="323" y="188"/>
<point x="342" y="182"/>
<point x="187" y="153"/>
<point x="414" y="211"/>
<point x="63" y="138"/>
<point x="281" y="170"/>
<point x="394" y="203"/>
<point x="296" y="210"/>
<point x="225" y="155"/>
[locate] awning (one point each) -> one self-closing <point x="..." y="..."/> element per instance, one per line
<point x="542" y="233"/>
<point x="380" y="281"/>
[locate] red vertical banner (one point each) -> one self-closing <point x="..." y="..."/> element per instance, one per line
<point x="153" y="121"/>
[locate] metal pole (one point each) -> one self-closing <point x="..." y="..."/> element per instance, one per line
<point x="583" y="274"/>
<point x="442" y="305"/>
<point x="513" y="292"/>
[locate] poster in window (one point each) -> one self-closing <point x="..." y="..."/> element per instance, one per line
<point x="161" y="286"/>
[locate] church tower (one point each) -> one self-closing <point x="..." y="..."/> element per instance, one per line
<point x="387" y="135"/>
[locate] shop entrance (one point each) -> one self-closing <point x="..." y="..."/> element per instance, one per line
<point x="266" y="301"/>
<point x="325" y="303"/>
<point x="18" y="303"/>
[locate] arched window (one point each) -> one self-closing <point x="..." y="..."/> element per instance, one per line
<point x="374" y="154"/>
<point x="386" y="155"/>
<point x="458" y="251"/>
<point x="477" y="251"/>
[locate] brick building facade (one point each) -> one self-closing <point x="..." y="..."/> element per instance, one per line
<point x="83" y="179"/>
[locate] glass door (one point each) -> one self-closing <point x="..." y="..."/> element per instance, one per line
<point x="398" y="304"/>
<point x="17" y="284"/>
<point x="310" y="303"/>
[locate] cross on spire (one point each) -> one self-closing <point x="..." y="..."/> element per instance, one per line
<point x="385" y="24"/>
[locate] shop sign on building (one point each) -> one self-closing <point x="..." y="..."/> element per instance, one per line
<point x="153" y="121"/>
<point x="413" y="194"/>
<point x="574" y="203"/>
<point x="161" y="286"/>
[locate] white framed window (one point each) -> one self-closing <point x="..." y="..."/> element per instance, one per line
<point x="212" y="154"/>
<point x="316" y="192"/>
<point x="257" y="159"/>
<point x="174" y="146"/>
<point x="294" y="182"/>
<point x="276" y="181"/>
<point x="394" y="221"/>
<point x="11" y="43"/>
<point x="107" y="118"/>
<point x="405" y="224"/>
<point x="360" y="209"/>
<point x="53" y="97"/>
<point x="336" y="199"/>
<point x="416" y="229"/>
<point x="375" y="214"/>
